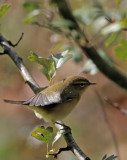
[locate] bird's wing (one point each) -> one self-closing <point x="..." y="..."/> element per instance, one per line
<point x="42" y="99"/>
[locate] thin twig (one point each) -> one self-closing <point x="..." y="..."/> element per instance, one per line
<point x="14" y="45"/>
<point x="48" y="26"/>
<point x="108" y="124"/>
<point x="115" y="105"/>
<point x="60" y="150"/>
<point x="53" y="28"/>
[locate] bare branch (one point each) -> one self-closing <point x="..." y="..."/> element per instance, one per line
<point x="115" y="105"/>
<point x="14" y="45"/>
<point x="59" y="151"/>
<point x="71" y="142"/>
<point x="108" y="124"/>
<point x="52" y="28"/>
<point x="19" y="63"/>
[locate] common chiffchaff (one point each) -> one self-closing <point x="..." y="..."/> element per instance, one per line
<point x="57" y="101"/>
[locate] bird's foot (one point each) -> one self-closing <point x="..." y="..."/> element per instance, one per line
<point x="65" y="128"/>
<point x="63" y="125"/>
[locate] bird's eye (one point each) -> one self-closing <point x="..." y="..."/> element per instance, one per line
<point x="82" y="84"/>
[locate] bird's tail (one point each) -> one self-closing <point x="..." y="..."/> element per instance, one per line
<point x="13" y="102"/>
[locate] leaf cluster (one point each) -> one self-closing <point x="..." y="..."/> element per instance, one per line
<point x="112" y="157"/>
<point x="51" y="64"/>
<point x="3" y="9"/>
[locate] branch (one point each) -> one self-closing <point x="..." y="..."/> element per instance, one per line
<point x="48" y="26"/>
<point x="59" y="151"/>
<point x="114" y="138"/>
<point x="71" y="144"/>
<point x="19" y="63"/>
<point x="65" y="11"/>
<point x="14" y="45"/>
<point x="115" y="105"/>
<point x="105" y="67"/>
<point x="35" y="87"/>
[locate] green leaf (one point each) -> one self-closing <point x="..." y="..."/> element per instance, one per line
<point x="30" y="6"/>
<point x="63" y="23"/>
<point x="123" y="22"/>
<point x="73" y="52"/>
<point x="61" y="58"/>
<point x="52" y="151"/>
<point x="76" y="55"/>
<point x="43" y="134"/>
<point x="91" y="12"/>
<point x="112" y="157"/>
<point x="48" y="65"/>
<point x="4" y="8"/>
<point x="119" y="1"/>
<point x="111" y="39"/>
<point x="31" y="16"/>
<point x="121" y="50"/>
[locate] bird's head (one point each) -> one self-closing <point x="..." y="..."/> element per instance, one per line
<point x="78" y="82"/>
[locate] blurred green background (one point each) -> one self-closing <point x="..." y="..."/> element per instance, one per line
<point x="88" y="123"/>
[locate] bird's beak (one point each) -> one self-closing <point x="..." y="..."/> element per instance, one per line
<point x="92" y="83"/>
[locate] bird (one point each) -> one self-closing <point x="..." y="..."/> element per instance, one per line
<point x="56" y="101"/>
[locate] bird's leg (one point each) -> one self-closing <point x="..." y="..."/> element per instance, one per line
<point x="63" y="129"/>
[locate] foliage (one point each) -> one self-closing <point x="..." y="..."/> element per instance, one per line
<point x="111" y="39"/>
<point x="62" y="23"/>
<point x="90" y="15"/>
<point x="48" y="65"/>
<point x="30" y="6"/>
<point x="4" y="8"/>
<point x="121" y="50"/>
<point x="43" y="134"/>
<point x="51" y="64"/>
<point x="119" y="1"/>
<point x="32" y="9"/>
<point x="31" y="16"/>
<point x="112" y="157"/>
